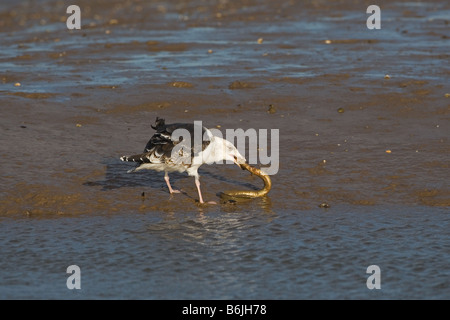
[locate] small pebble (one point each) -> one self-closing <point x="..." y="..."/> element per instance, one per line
<point x="324" y="205"/>
<point x="387" y="76"/>
<point x="340" y="110"/>
<point x="327" y="41"/>
<point x="17" y="84"/>
<point x="210" y="51"/>
<point x="260" y="40"/>
<point x="388" y="151"/>
<point x="271" y="109"/>
<point x="78" y="125"/>
<point x="447" y="95"/>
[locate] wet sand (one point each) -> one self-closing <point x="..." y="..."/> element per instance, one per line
<point x="350" y="136"/>
<point x="89" y="96"/>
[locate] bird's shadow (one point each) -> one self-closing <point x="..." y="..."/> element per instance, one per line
<point x="116" y="176"/>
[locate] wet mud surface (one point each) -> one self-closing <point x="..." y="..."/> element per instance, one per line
<point x="363" y="115"/>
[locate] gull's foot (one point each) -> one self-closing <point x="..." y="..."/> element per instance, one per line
<point x="209" y="202"/>
<point x="175" y="191"/>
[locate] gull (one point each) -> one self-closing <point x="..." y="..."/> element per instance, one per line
<point x="178" y="147"/>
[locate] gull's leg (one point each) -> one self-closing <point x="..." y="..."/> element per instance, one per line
<point x="197" y="183"/>
<point x="166" y="177"/>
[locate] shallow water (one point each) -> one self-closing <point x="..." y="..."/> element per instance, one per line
<point x="87" y="97"/>
<point x="230" y="255"/>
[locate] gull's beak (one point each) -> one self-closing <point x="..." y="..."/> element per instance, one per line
<point x="239" y="163"/>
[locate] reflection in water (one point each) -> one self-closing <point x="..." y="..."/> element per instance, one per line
<point x="213" y="227"/>
<point x="218" y="254"/>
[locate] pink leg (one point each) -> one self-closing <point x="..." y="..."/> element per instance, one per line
<point x="197" y="183"/>
<point x="166" y="177"/>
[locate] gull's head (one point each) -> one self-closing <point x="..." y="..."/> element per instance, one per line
<point x="231" y="153"/>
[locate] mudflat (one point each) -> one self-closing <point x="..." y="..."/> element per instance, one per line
<point x="363" y="120"/>
<point x="341" y="95"/>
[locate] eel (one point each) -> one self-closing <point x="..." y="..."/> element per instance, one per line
<point x="249" y="194"/>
